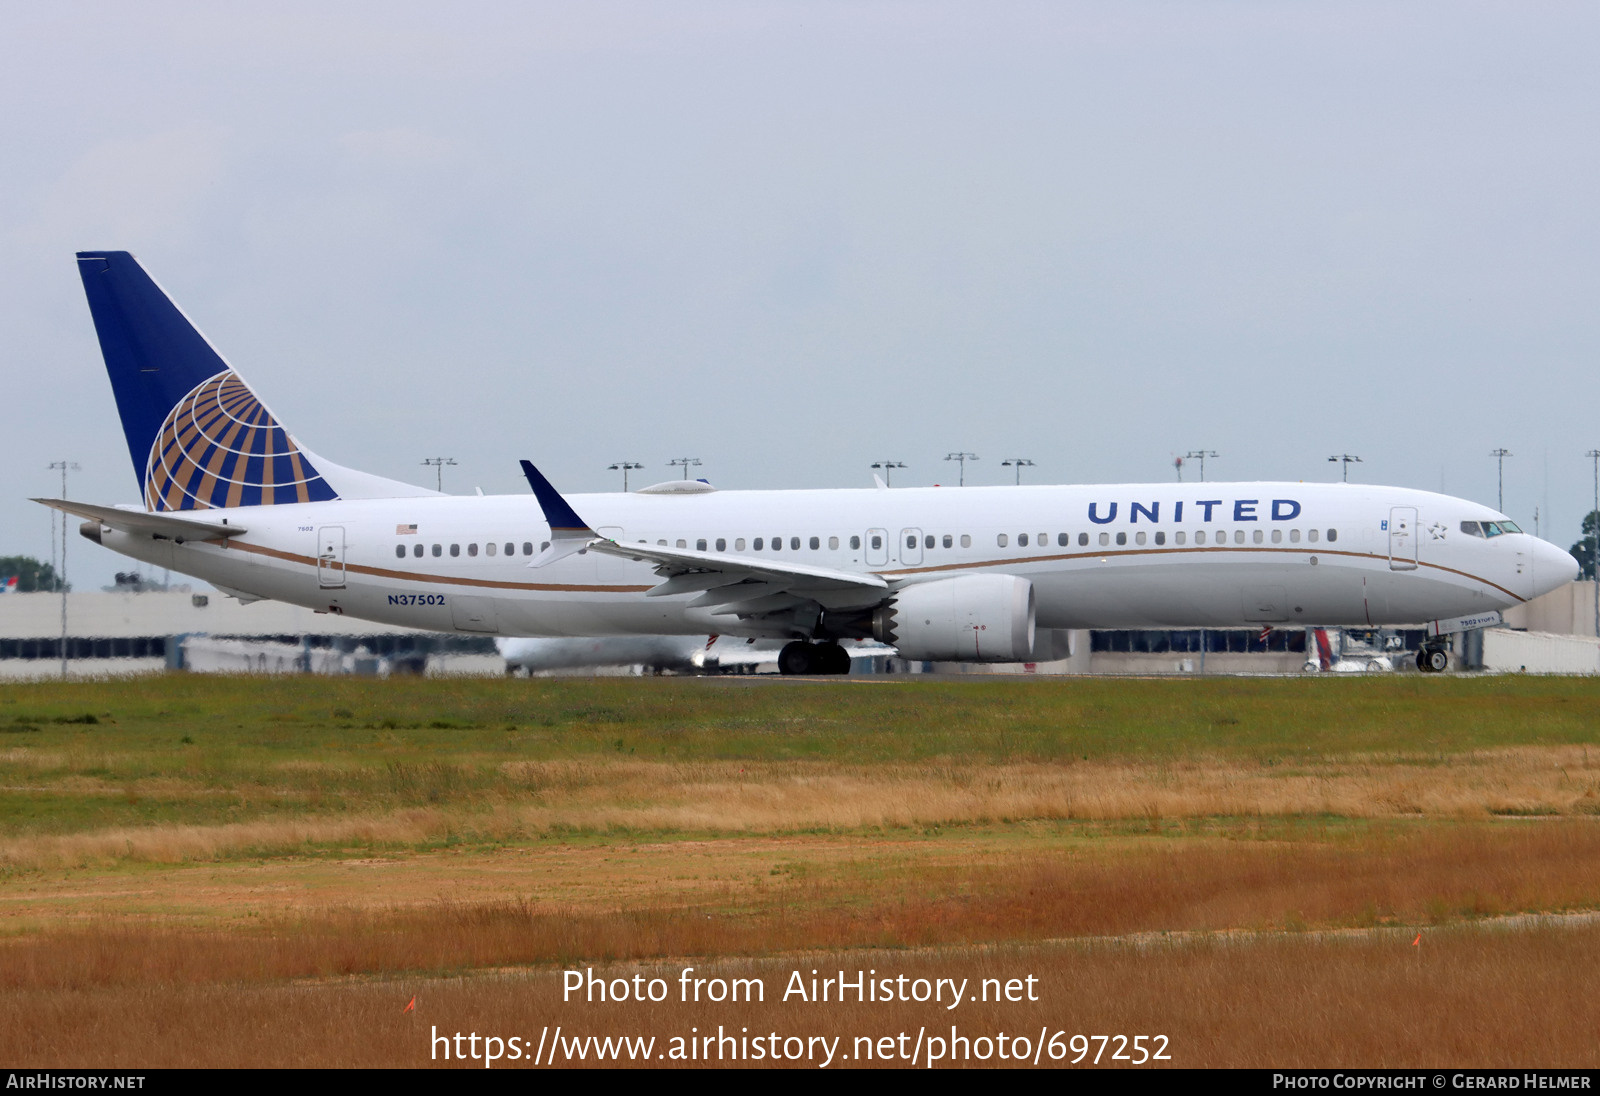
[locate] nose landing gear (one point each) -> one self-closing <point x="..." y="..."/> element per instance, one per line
<point x="1433" y="659"/>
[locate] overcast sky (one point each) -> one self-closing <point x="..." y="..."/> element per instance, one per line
<point x="791" y="239"/>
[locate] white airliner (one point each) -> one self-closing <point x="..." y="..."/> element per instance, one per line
<point x="965" y="574"/>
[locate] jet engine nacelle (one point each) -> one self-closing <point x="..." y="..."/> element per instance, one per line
<point x="974" y="618"/>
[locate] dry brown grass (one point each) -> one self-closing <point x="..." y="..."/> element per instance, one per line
<point x="818" y="893"/>
<point x="707" y="797"/>
<point x="1465" y="998"/>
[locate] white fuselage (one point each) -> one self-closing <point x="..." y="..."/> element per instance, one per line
<point x="1106" y="556"/>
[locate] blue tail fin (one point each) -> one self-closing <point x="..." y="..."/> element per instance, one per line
<point x="198" y="436"/>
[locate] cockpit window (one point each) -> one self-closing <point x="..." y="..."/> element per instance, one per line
<point x="1509" y="527"/>
<point x="1491" y="529"/>
<point x="1471" y="529"/>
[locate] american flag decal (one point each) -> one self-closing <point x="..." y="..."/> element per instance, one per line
<point x="402" y="530"/>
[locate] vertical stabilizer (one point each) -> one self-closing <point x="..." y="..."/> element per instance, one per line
<point x="198" y="436"/>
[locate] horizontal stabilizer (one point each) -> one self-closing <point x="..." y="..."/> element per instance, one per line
<point x="141" y="521"/>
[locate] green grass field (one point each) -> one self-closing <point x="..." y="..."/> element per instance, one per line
<point x="183" y="831"/>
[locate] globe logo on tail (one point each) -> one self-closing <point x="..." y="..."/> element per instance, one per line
<point x="220" y="447"/>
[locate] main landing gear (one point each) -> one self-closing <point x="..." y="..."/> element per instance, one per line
<point x="800" y="657"/>
<point x="1433" y="659"/>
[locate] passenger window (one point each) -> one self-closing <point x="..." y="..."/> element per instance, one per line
<point x="1083" y="540"/>
<point x="949" y="541"/>
<point x="472" y="549"/>
<point x="928" y="541"/>
<point x="777" y="544"/>
<point x="855" y="544"/>
<point x="491" y="548"/>
<point x="438" y="550"/>
<point x="1199" y="536"/>
<point x="511" y="549"/>
<point x="1161" y="538"/>
<point x="527" y="548"/>
<point x="682" y="543"/>
<point x="722" y="544"/>
<point x="966" y="540"/>
<point x="877" y="543"/>
<point x="416" y="550"/>
<point x="1002" y="540"/>
<point x="1105" y="539"/>
<point x="1043" y="541"/>
<point x="1311" y="535"/>
<point x="1277" y="536"/>
<point x="1180" y="536"/>
<point x="700" y="545"/>
<point x="794" y="544"/>
<point x="1238" y="536"/>
<point x="1063" y="539"/>
<point x="1022" y="540"/>
<point x="1333" y="535"/>
<point x="757" y="544"/>
<point x="1294" y="536"/>
<point x="738" y="544"/>
<point x="833" y="544"/>
<point x="399" y="551"/>
<point x="1258" y="536"/>
<point x="1138" y="538"/>
<point x="455" y="549"/>
<point x="1122" y="538"/>
<point x="543" y="544"/>
<point x="815" y="544"/>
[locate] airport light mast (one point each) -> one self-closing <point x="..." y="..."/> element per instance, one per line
<point x="888" y="467"/>
<point x="437" y="464"/>
<point x="624" y="466"/>
<point x="1347" y="460"/>
<point x="963" y="458"/>
<point x="1500" y="456"/>
<point x="1019" y="463"/>
<point x="63" y="466"/>
<point x="1201" y="455"/>
<point x="1594" y="543"/>
<point x="686" y="462"/>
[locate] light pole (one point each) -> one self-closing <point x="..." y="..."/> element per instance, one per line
<point x="1177" y="462"/>
<point x="888" y="467"/>
<point x="685" y="462"/>
<point x="963" y="458"/>
<point x="437" y="464"/>
<point x="1347" y="460"/>
<point x="1201" y="455"/>
<point x="624" y="466"/>
<point x="1019" y="463"/>
<point x="1500" y="456"/>
<point x="1594" y="545"/>
<point x="63" y="466"/>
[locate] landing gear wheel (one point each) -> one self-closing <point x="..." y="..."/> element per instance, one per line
<point x="834" y="659"/>
<point x="1433" y="660"/>
<point x="797" y="658"/>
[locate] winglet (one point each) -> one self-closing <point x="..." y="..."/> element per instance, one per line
<point x="568" y="532"/>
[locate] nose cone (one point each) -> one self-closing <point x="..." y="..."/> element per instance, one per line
<point x="1552" y="567"/>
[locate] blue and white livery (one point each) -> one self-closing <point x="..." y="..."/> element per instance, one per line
<point x="978" y="573"/>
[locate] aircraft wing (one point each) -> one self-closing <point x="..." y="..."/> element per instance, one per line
<point x="745" y="586"/>
<point x="146" y="522"/>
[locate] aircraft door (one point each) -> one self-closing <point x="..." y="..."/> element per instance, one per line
<point x="1403" y="538"/>
<point x="877" y="547"/>
<point x="330" y="557"/>
<point x="910" y="547"/>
